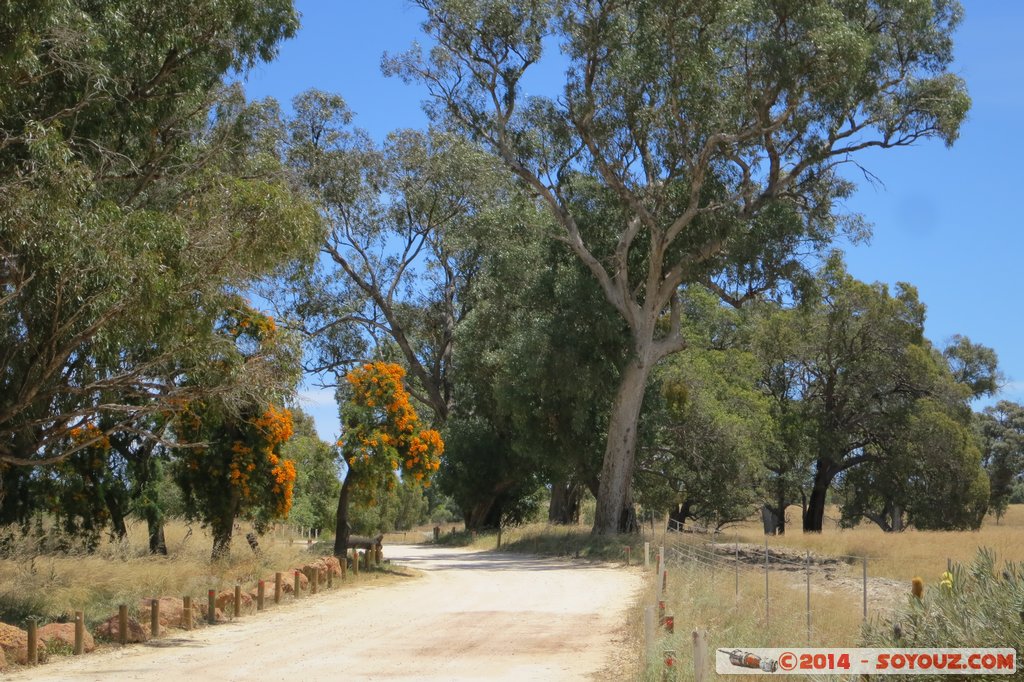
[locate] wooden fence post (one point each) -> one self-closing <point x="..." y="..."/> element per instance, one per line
<point x="79" y="633"/>
<point x="366" y="558"/>
<point x="154" y="618"/>
<point x="298" y="584"/>
<point x="647" y="555"/>
<point x="33" y="643"/>
<point x="238" y="601"/>
<point x="737" y="569"/>
<point x="343" y="560"/>
<point x="766" y="610"/>
<point x="649" y="626"/>
<point x="808" y="598"/>
<point x="865" y="563"/>
<point x="277" y="587"/>
<point x="314" y="578"/>
<point x="260" y="594"/>
<point x="330" y="577"/>
<point x="355" y="562"/>
<point x="700" y="655"/>
<point x="122" y="624"/>
<point x="668" y="672"/>
<point x="211" y="607"/>
<point x="186" y="613"/>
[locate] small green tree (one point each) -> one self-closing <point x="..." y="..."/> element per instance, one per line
<point x="316" y="482"/>
<point x="1002" y="430"/>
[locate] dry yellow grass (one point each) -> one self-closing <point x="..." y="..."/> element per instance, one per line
<point x="899" y="555"/>
<point x="53" y="585"/>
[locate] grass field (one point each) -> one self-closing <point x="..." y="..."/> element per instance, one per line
<point x="51" y="586"/>
<point x="701" y="598"/>
<point x="899" y="555"/>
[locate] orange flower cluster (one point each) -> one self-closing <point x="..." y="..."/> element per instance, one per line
<point x="241" y="467"/>
<point x="276" y="425"/>
<point x="382" y="428"/>
<point x="92" y="435"/>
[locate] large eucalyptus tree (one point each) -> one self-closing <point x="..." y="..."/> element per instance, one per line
<point x="717" y="127"/>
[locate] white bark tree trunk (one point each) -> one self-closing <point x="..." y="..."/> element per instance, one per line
<point x="614" y="513"/>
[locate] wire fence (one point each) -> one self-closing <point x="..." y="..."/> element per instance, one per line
<point x="783" y="568"/>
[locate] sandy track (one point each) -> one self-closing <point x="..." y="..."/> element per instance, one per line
<point x="471" y="616"/>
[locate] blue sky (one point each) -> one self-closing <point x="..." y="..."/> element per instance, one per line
<point x="945" y="220"/>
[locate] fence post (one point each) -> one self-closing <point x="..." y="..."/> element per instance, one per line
<point x="122" y="624"/>
<point x="737" y="569"/>
<point x="238" y="601"/>
<point x="628" y="550"/>
<point x="277" y="587"/>
<point x="668" y="673"/>
<point x="808" y="562"/>
<point x="314" y="580"/>
<point x="186" y="613"/>
<point x="355" y="562"/>
<point x="649" y="626"/>
<point x="298" y="585"/>
<point x="647" y="555"/>
<point x="260" y="594"/>
<point x="700" y="655"/>
<point x="767" y="612"/>
<point x="865" y="563"/>
<point x="211" y="607"/>
<point x="79" y="633"/>
<point x="154" y="619"/>
<point x="33" y="643"/>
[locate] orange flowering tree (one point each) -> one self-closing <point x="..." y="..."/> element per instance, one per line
<point x="230" y="464"/>
<point x="238" y="471"/>
<point x="382" y="440"/>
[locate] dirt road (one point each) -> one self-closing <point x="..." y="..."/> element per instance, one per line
<point x="471" y="616"/>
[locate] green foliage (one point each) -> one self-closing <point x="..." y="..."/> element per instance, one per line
<point x="1001" y="427"/>
<point x="709" y="136"/>
<point x="316" y="482"/>
<point x="712" y="432"/>
<point x="229" y="460"/>
<point x="127" y="174"/>
<point x="979" y="607"/>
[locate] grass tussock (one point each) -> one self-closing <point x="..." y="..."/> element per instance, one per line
<point x="50" y="586"/>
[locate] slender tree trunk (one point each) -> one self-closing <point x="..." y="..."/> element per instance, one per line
<point x="155" y="525"/>
<point x="814" y="514"/>
<point x="773" y="520"/>
<point x="222" y="538"/>
<point x="564" y="508"/>
<point x="615" y="513"/>
<point x="341" y="528"/>
<point x="117" y="523"/>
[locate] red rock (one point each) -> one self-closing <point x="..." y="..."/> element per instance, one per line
<point x="3" y="660"/>
<point x="111" y="630"/>
<point x="14" y="644"/>
<point x="226" y="599"/>
<point x="204" y="608"/>
<point x="65" y="634"/>
<point x="172" y="610"/>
